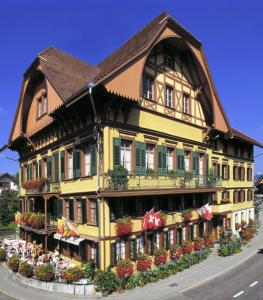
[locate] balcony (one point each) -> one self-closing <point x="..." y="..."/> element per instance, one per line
<point x="41" y="186"/>
<point x="122" y="180"/>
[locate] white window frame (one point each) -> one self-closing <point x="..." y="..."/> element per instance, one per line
<point x="87" y="159"/>
<point x="170" y="159"/>
<point x="149" y="157"/>
<point x="148" y="89"/>
<point x="126" y="154"/>
<point x="70" y="165"/>
<point x="168" y="96"/>
<point x="120" y="249"/>
<point x="186" y="104"/>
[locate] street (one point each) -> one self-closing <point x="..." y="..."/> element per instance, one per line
<point x="4" y="297"/>
<point x="243" y="282"/>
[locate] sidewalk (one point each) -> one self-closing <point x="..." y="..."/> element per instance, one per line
<point x="174" y="285"/>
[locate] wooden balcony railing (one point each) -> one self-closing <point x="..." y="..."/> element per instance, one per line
<point x="42" y="187"/>
<point x="124" y="180"/>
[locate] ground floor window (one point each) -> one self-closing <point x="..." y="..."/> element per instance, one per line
<point x="179" y="236"/>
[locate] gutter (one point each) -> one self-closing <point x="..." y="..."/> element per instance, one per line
<point x="97" y="136"/>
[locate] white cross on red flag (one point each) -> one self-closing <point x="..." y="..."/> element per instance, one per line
<point x="151" y="220"/>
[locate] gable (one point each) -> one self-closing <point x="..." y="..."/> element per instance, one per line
<point x="128" y="81"/>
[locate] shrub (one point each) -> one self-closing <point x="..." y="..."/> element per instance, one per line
<point x="13" y="263"/>
<point x="73" y="274"/>
<point x="160" y="257"/>
<point x="89" y="270"/>
<point x="198" y="244"/>
<point x="144" y="262"/>
<point x="229" y="248"/>
<point x="2" y="254"/>
<point x="106" y="282"/>
<point x="176" y="252"/>
<point x="123" y="226"/>
<point x="124" y="268"/>
<point x="188" y="247"/>
<point x="45" y="272"/>
<point x="248" y="233"/>
<point x="25" y="269"/>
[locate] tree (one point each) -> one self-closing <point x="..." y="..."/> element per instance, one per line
<point x="9" y="205"/>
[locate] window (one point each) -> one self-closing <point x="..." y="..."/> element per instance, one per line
<point x="93" y="252"/>
<point x="170" y="159"/>
<point x="168" y="60"/>
<point x="149" y="157"/>
<point x="225" y="171"/>
<point x="126" y="154"/>
<point x="87" y="156"/>
<point x="187" y="161"/>
<point x="148" y="87"/>
<point x="140" y="245"/>
<point x="45" y="168"/>
<point x="235" y="149"/>
<point x="169" y="96"/>
<point x="186" y="104"/>
<point x="120" y="249"/>
<point x="42" y="103"/>
<point x="93" y="212"/>
<point x="171" y="237"/>
<point x="70" y="165"/>
<point x="79" y="210"/>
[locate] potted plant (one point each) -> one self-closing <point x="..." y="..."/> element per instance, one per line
<point x="45" y="272"/>
<point x="144" y="262"/>
<point x="160" y="257"/>
<point x="25" y="269"/>
<point x="118" y="178"/>
<point x="123" y="226"/>
<point x="124" y="268"/>
<point x="73" y="274"/>
<point x="176" y="252"/>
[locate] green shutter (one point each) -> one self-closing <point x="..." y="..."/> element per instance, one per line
<point x="113" y="254"/>
<point x="207" y="164"/>
<point x="164" y="160"/>
<point x="76" y="163"/>
<point x="39" y="168"/>
<point x="180" y="161"/>
<point x="143" y="158"/>
<point x="116" y="152"/>
<point x="132" y="249"/>
<point x="56" y="174"/>
<point x="195" y="157"/>
<point x="160" y="159"/>
<point x="62" y="165"/>
<point x="49" y="168"/>
<point x="137" y="146"/>
<point x="93" y="152"/>
<point x="36" y="166"/>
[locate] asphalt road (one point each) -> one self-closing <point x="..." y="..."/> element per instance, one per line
<point x="4" y="297"/>
<point x="245" y="282"/>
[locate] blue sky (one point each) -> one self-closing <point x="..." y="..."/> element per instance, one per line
<point x="231" y="32"/>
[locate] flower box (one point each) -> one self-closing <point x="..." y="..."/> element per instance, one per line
<point x="124" y="268"/>
<point x="123" y="226"/>
<point x="144" y="263"/>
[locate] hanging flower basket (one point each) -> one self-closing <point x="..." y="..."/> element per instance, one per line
<point x="124" y="226"/>
<point x="124" y="268"/>
<point x="34" y="184"/>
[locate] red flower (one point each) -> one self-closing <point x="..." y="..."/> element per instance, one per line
<point x="144" y="263"/>
<point x="124" y="268"/>
<point x="123" y="226"/>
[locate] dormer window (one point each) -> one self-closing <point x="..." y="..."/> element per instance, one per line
<point x="42" y="103"/>
<point x="148" y="85"/>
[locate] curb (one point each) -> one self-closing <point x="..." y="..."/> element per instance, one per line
<point x="218" y="273"/>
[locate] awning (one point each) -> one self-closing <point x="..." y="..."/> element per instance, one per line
<point x="71" y="239"/>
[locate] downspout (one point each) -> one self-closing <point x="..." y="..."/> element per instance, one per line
<point x="98" y="141"/>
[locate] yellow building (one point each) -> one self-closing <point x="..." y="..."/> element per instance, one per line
<point x="142" y="129"/>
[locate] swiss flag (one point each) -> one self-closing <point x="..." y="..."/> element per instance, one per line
<point x="157" y="220"/>
<point x="146" y="219"/>
<point x="151" y="220"/>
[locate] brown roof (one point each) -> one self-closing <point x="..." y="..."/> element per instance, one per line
<point x="245" y="138"/>
<point x="67" y="73"/>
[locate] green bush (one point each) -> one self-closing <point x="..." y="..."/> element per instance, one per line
<point x="45" y="272"/>
<point x="106" y="282"/>
<point x="73" y="274"/>
<point x="89" y="270"/>
<point x="2" y="254"/>
<point x="230" y="247"/>
<point x="25" y="269"/>
<point x="13" y="263"/>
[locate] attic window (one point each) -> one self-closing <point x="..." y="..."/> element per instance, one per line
<point x="42" y="103"/>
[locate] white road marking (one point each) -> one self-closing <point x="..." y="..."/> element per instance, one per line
<point x="238" y="294"/>
<point x="254" y="283"/>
